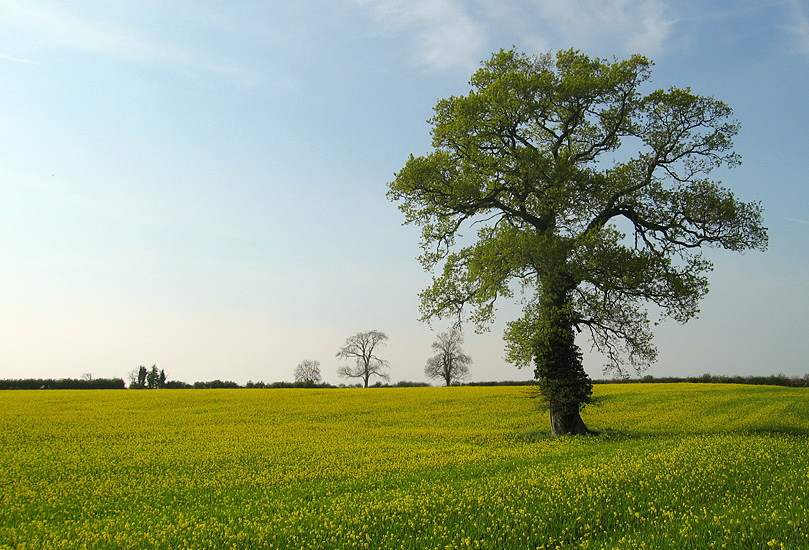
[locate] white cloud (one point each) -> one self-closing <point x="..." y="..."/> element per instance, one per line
<point x="53" y="27"/>
<point x="638" y="25"/>
<point x="450" y="33"/>
<point x="446" y="36"/>
<point x="799" y="26"/>
<point x="13" y="59"/>
<point x="47" y="26"/>
<point x="653" y="30"/>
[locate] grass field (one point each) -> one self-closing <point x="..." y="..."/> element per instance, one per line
<point x="678" y="466"/>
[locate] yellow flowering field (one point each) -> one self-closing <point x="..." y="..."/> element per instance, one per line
<point x="677" y="466"/>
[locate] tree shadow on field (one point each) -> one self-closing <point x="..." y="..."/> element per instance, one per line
<point x="782" y="427"/>
<point x="544" y="434"/>
<point x="773" y="430"/>
<point x="608" y="435"/>
<point x="745" y="418"/>
<point x="594" y="435"/>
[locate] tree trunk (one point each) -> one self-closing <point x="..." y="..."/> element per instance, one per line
<point x="567" y="422"/>
<point x="560" y="375"/>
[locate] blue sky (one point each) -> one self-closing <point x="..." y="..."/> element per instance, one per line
<point x="201" y="185"/>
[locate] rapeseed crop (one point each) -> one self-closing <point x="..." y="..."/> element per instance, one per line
<point x="678" y="466"/>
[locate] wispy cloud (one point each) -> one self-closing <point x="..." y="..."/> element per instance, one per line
<point x="7" y="57"/>
<point x="450" y="33"/>
<point x="640" y="25"/>
<point x="446" y="35"/>
<point x="799" y="25"/>
<point x="52" y="26"/>
<point x="797" y="220"/>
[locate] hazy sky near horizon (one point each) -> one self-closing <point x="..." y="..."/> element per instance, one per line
<point x="201" y="185"/>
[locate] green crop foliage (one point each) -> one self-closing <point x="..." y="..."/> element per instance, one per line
<point x="677" y="466"/>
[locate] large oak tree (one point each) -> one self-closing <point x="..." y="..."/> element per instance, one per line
<point x="588" y="196"/>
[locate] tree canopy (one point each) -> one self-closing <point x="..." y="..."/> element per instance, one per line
<point x="589" y="198"/>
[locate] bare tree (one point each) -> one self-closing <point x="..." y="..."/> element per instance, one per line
<point x="133" y="378"/>
<point x="308" y="371"/>
<point x="361" y="347"/>
<point x="450" y="362"/>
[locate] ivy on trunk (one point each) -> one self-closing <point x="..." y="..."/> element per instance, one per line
<point x="586" y="196"/>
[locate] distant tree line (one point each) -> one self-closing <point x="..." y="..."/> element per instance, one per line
<point x="400" y="384"/>
<point x="770" y="380"/>
<point x="229" y="384"/>
<point x="63" y="384"/>
<point x="118" y="383"/>
<point x="297" y="384"/>
<point x="215" y="384"/>
<point x="498" y="383"/>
